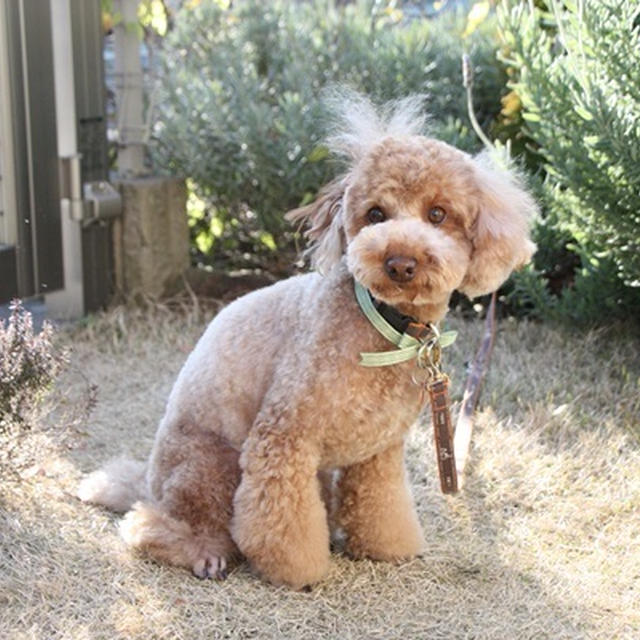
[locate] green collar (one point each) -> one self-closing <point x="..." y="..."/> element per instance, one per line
<point x="420" y="341"/>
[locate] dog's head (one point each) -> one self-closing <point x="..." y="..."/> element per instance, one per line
<point x="416" y="217"/>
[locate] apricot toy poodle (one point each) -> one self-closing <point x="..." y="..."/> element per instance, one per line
<point x="274" y="433"/>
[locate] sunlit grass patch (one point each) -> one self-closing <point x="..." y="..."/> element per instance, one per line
<point x="542" y="543"/>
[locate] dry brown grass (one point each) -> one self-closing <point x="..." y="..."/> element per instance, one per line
<point x="544" y="542"/>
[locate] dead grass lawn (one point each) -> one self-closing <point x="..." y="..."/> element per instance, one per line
<point x="544" y="542"/>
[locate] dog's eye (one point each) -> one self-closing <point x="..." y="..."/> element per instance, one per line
<point x="375" y="215"/>
<point x="436" y="215"/>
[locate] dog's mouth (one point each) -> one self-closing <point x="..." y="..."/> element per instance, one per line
<point x="402" y="281"/>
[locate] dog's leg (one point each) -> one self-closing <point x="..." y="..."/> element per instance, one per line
<point x="193" y="476"/>
<point x="279" y="521"/>
<point x="376" y="508"/>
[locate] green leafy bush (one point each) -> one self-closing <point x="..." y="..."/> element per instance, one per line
<point x="578" y="78"/>
<point x="240" y="114"/>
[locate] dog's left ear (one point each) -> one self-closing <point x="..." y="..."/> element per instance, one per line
<point x="501" y="241"/>
<point x="326" y="228"/>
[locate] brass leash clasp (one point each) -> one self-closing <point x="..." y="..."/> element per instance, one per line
<point x="428" y="355"/>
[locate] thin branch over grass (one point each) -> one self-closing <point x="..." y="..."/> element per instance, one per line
<point x="479" y="368"/>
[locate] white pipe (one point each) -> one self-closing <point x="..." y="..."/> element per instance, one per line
<point x="129" y="92"/>
<point x="68" y="303"/>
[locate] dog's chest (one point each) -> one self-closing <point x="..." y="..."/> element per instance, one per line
<point x="368" y="421"/>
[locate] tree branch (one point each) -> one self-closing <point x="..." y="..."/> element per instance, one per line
<point x="464" y="424"/>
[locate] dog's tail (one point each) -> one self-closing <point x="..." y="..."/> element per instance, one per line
<point x="117" y="486"/>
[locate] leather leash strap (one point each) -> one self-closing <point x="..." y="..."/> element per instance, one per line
<point x="443" y="433"/>
<point x="437" y="384"/>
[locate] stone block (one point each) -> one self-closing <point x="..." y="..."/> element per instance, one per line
<point x="151" y="241"/>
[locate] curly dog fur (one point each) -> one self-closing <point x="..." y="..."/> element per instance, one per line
<point x="272" y="400"/>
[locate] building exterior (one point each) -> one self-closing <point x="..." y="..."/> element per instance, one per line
<point x="56" y="205"/>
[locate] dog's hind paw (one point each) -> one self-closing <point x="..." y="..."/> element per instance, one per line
<point x="210" y="566"/>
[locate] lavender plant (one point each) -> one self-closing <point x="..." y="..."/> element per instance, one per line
<point x="29" y="363"/>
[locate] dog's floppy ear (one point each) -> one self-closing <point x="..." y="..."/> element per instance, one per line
<point x="324" y="217"/>
<point x="501" y="231"/>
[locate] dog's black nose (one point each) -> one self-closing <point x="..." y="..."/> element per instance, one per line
<point x="400" y="268"/>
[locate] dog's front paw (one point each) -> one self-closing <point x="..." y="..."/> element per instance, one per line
<point x="296" y="575"/>
<point x="386" y="544"/>
<point x="283" y="559"/>
<point x="286" y="546"/>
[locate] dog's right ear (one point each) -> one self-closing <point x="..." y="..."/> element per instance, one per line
<point x="324" y="216"/>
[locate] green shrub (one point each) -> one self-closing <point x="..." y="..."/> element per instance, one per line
<point x="240" y="114"/>
<point x="578" y="78"/>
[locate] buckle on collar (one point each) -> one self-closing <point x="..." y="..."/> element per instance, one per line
<point x="419" y="330"/>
